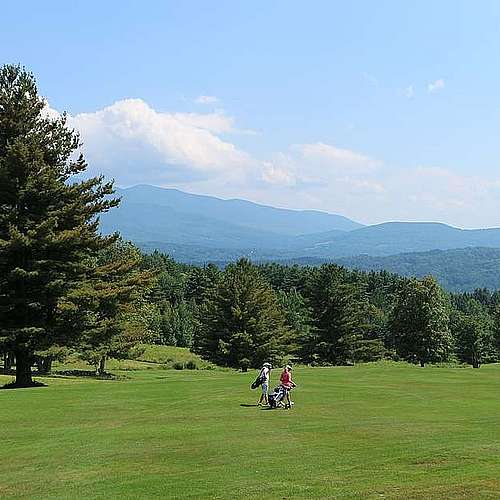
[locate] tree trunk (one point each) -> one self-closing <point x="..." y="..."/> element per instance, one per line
<point x="101" y="368"/>
<point x="422" y="363"/>
<point x="44" y="365"/>
<point x="475" y="362"/>
<point x="23" y="369"/>
<point x="7" y="362"/>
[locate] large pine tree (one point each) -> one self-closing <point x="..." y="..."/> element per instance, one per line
<point x="48" y="221"/>
<point x="109" y="305"/>
<point x="338" y="308"/>
<point x="243" y="322"/>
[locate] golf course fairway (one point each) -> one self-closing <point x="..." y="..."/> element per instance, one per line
<point x="371" y="431"/>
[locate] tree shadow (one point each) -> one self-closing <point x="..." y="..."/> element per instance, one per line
<point x="84" y="374"/>
<point x="13" y="385"/>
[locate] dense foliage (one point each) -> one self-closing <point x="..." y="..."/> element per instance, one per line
<point x="48" y="223"/>
<point x="331" y="315"/>
<point x="419" y="322"/>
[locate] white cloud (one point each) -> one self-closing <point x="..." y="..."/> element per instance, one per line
<point x="369" y="78"/>
<point x="436" y="86"/>
<point x="134" y="143"/>
<point x="129" y="139"/>
<point x="273" y="174"/>
<point x="434" y="194"/>
<point x="48" y="112"/>
<point x="206" y="99"/>
<point x="409" y="92"/>
<point x="214" y="122"/>
<point x="336" y="158"/>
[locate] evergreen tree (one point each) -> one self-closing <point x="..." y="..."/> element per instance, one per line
<point x="373" y="325"/>
<point x="419" y="322"/>
<point x="178" y="323"/>
<point x="298" y="317"/>
<point x="171" y="277"/>
<point x="243" y="321"/>
<point x="48" y="221"/>
<point x="496" y="329"/>
<point x="202" y="282"/>
<point x="110" y="300"/>
<point x="338" y="307"/>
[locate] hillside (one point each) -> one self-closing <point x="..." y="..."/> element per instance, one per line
<point x="201" y="229"/>
<point x="399" y="237"/>
<point x="238" y="212"/>
<point x="142" y="223"/>
<point x="457" y="270"/>
<point x="204" y="228"/>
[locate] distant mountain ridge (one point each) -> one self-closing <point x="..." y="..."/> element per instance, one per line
<point x="391" y="238"/>
<point x="199" y="229"/>
<point x="205" y="228"/>
<point x="240" y="212"/>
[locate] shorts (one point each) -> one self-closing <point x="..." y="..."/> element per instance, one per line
<point x="265" y="387"/>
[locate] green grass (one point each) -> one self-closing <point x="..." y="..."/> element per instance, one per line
<point x="372" y="431"/>
<point x="168" y="356"/>
<point x="146" y="357"/>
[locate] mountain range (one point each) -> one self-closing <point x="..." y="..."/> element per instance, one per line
<point x="195" y="228"/>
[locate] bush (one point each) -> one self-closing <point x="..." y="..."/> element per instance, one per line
<point x="191" y="365"/>
<point x="178" y="366"/>
<point x="245" y="364"/>
<point x="208" y="367"/>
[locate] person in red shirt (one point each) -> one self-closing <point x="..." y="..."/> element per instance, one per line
<point x="287" y="382"/>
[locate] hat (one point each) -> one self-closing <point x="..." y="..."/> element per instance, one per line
<point x="267" y="365"/>
<point x="289" y="367"/>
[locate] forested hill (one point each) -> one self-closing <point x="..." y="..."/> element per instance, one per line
<point x="201" y="229"/>
<point x="169" y="216"/>
<point x="458" y="270"/>
<point x="391" y="238"/>
<point x="204" y="228"/>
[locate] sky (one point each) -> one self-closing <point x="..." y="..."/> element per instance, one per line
<point x="378" y="111"/>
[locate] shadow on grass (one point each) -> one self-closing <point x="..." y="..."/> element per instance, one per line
<point x="243" y="405"/>
<point x="84" y="373"/>
<point x="13" y="385"/>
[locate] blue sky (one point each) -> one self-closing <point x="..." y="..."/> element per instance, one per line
<point x="382" y="110"/>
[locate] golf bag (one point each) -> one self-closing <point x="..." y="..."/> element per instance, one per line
<point x="276" y="397"/>
<point x="257" y="382"/>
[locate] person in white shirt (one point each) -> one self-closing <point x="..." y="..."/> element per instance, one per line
<point x="264" y="374"/>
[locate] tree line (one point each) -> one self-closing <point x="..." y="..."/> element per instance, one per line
<point x="66" y="288"/>
<point x="246" y="313"/>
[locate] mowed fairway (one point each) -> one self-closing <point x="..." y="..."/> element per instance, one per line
<point x="372" y="431"/>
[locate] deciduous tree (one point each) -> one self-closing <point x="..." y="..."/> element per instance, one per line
<point x="419" y="322"/>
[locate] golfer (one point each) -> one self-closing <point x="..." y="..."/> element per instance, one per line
<point x="287" y="382"/>
<point x="264" y="374"/>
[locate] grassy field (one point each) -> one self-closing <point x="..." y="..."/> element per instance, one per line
<point x="372" y="431"/>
